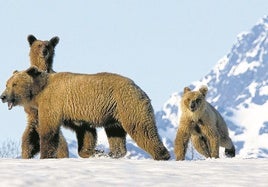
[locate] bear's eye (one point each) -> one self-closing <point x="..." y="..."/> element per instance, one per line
<point x="14" y="85"/>
<point x="198" y="100"/>
<point x="39" y="45"/>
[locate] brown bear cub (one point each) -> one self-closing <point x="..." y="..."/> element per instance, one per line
<point x="203" y="124"/>
<point x="101" y="100"/>
<point x="42" y="52"/>
<point x="42" y="55"/>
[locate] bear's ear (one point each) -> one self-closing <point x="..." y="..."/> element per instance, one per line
<point x="33" y="71"/>
<point x="203" y="90"/>
<point x="31" y="39"/>
<point x="186" y="89"/>
<point x="14" y="72"/>
<point x="54" y="41"/>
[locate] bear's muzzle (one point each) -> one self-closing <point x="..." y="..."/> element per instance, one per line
<point x="3" y="98"/>
<point x="10" y="101"/>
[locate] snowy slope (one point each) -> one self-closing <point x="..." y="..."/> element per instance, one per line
<point x="131" y="172"/>
<point x="238" y="88"/>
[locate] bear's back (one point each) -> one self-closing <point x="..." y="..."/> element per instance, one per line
<point x="113" y="94"/>
<point x="102" y="84"/>
<point x="73" y="79"/>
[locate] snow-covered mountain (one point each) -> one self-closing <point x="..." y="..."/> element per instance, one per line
<point x="238" y="88"/>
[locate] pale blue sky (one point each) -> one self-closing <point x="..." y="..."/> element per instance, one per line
<point x="161" y="45"/>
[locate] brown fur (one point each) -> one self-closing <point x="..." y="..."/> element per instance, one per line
<point x="41" y="55"/>
<point x="86" y="135"/>
<point x="42" y="52"/>
<point x="102" y="100"/>
<point x="203" y="124"/>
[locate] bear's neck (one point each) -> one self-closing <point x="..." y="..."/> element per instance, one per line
<point x="195" y="116"/>
<point x="39" y="85"/>
<point x="42" y="63"/>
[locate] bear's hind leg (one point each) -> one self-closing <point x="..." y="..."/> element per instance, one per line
<point x="229" y="146"/>
<point x="230" y="152"/>
<point x="117" y="140"/>
<point x="147" y="138"/>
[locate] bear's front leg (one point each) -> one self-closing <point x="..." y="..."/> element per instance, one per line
<point x="182" y="138"/>
<point x="213" y="141"/>
<point x="62" y="149"/>
<point x="30" y="140"/>
<point x="49" y="131"/>
<point x="48" y="144"/>
<point x="117" y="140"/>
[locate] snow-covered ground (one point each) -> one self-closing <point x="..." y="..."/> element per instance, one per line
<point x="104" y="171"/>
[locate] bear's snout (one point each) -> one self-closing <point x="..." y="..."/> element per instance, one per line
<point x="45" y="52"/>
<point x="193" y="106"/>
<point x="3" y="97"/>
<point x="10" y="100"/>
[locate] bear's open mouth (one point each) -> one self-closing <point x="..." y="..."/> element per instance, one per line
<point x="10" y="105"/>
<point x="192" y="109"/>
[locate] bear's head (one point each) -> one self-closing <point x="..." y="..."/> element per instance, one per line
<point x="194" y="101"/>
<point x="42" y="52"/>
<point x="22" y="86"/>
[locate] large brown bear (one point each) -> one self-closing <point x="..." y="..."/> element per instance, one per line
<point x="42" y="55"/>
<point x="102" y="100"/>
<point x="201" y="122"/>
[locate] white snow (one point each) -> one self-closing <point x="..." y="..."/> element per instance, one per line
<point x="252" y="88"/>
<point x="221" y="63"/>
<point x="241" y="35"/>
<point x="243" y="67"/>
<point x="129" y="172"/>
<point x="219" y="67"/>
<point x="264" y="90"/>
<point x="173" y="101"/>
<point x="251" y="122"/>
<point x="253" y="52"/>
